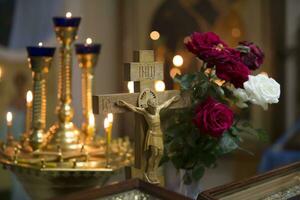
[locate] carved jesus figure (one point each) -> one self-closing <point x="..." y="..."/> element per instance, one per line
<point x="154" y="137"/>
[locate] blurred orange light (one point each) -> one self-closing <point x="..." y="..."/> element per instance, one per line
<point x="174" y="71"/>
<point x="235" y="32"/>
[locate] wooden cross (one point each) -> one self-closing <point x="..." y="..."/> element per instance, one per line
<point x="144" y="71"/>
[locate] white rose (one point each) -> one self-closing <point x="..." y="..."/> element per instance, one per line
<point x="262" y="90"/>
<point x="242" y="97"/>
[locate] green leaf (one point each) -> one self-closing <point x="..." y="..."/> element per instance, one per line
<point x="198" y="172"/>
<point x="227" y="143"/>
<point x="185" y="81"/>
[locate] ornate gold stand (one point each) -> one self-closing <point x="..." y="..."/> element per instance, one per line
<point x="64" y="133"/>
<point x="87" y="63"/>
<point x="40" y="66"/>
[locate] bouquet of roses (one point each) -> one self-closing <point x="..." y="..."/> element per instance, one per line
<point x="196" y="136"/>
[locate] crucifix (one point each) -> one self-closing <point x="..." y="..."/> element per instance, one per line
<point x="146" y="104"/>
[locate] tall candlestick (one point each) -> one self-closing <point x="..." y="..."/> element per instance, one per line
<point x="28" y="111"/>
<point x="64" y="132"/>
<point x="87" y="57"/>
<point x="39" y="59"/>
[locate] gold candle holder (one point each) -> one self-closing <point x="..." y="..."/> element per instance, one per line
<point x="39" y="59"/>
<point x="64" y="133"/>
<point x="87" y="55"/>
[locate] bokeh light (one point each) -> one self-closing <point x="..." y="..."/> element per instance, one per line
<point x="178" y="60"/>
<point x="160" y="86"/>
<point x="154" y="35"/>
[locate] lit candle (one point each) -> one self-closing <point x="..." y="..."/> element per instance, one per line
<point x="91" y="125"/>
<point x="88" y="47"/>
<point x="9" y="118"/>
<point x="110" y="118"/>
<point x="29" y="98"/>
<point x="67" y="21"/>
<point x="0" y="73"/>
<point x="91" y="119"/>
<point x="40" y="50"/>
<point x="107" y="128"/>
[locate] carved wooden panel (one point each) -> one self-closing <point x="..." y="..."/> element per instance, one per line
<point x="138" y="71"/>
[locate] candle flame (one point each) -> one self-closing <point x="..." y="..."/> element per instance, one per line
<point x="0" y="73"/>
<point x="40" y="44"/>
<point x="88" y="41"/>
<point x="29" y="96"/>
<point x="110" y="117"/>
<point x="106" y="123"/>
<point x="91" y="119"/>
<point x="9" y="117"/>
<point x="130" y="86"/>
<point x="68" y="15"/>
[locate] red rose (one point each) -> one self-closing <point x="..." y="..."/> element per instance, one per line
<point x="213" y="118"/>
<point x="234" y="72"/>
<point x="251" y="55"/>
<point x="207" y="46"/>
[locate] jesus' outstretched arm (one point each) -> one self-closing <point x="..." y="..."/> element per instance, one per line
<point x="168" y="102"/>
<point x="130" y="106"/>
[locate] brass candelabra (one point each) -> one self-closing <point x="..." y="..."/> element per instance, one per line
<point x="63" y="158"/>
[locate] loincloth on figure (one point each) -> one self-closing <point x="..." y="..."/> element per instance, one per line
<point x="154" y="139"/>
